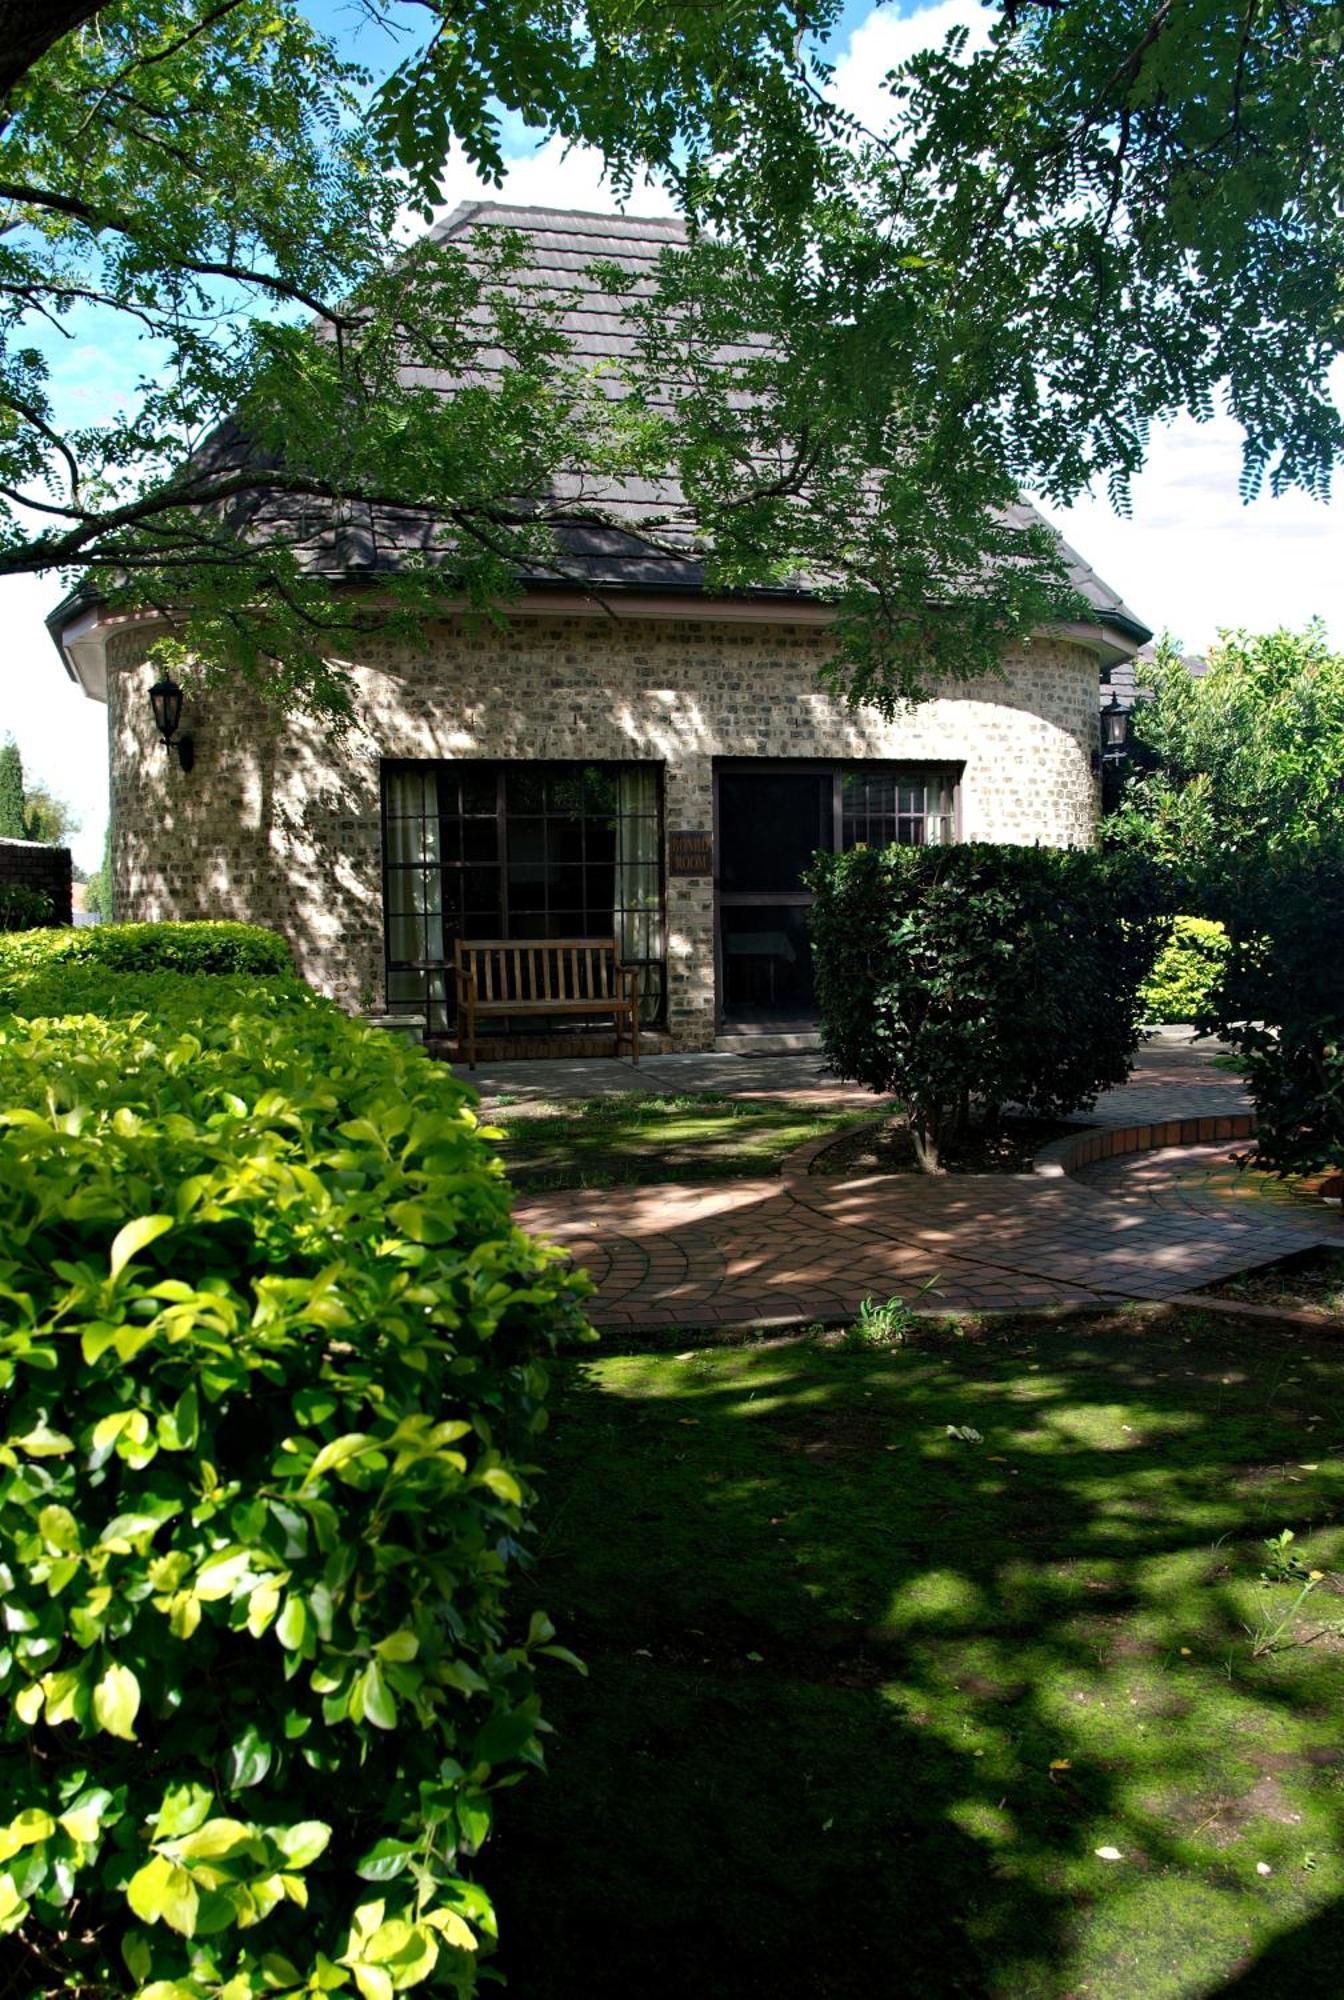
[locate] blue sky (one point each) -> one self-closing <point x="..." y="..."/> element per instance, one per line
<point x="1190" y="557"/>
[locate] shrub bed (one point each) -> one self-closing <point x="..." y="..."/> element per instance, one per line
<point x="965" y="978"/>
<point x="272" y="1368"/>
<point x="219" y="947"/>
<point x="22" y="908"/>
<point x="1183" y="984"/>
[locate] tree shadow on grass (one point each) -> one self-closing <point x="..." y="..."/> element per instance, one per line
<point x="866" y="1698"/>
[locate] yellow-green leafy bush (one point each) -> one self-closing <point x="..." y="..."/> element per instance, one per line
<point x="220" y="947"/>
<point x="271" y="1372"/>
<point x="1184" y="981"/>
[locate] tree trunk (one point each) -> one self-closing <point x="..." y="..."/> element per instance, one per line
<point x="925" y="1128"/>
<point x="28" y="28"/>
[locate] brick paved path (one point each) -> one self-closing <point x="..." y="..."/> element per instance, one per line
<point x="813" y="1246"/>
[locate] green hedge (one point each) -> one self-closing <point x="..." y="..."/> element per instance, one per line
<point x="1281" y="1003"/>
<point x="967" y="978"/>
<point x="84" y="988"/>
<point x="1184" y="982"/>
<point x="271" y="1375"/>
<point x="151" y="948"/>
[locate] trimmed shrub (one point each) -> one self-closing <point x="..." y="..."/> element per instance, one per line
<point x="1281" y="1005"/>
<point x="152" y="948"/>
<point x="271" y="1375"/>
<point x="23" y="908"/>
<point x="84" y="988"/>
<point x="1184" y="981"/>
<point x="967" y="978"/>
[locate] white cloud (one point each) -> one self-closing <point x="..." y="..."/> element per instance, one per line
<point x="885" y="39"/>
<point x="554" y="175"/>
<point x="1193" y="557"/>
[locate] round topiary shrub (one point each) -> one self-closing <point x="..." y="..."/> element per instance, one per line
<point x="272" y="1369"/>
<point x="963" y="979"/>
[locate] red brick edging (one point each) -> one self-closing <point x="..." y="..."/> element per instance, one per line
<point x="1107" y="1142"/>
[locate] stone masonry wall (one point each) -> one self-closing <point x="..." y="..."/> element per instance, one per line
<point x="277" y="826"/>
<point x="37" y="865"/>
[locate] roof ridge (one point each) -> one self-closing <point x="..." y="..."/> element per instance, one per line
<point x="467" y="210"/>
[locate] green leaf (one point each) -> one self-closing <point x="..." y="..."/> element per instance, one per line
<point x="302" y="1843"/>
<point x="162" y="1891"/>
<point x="385" y="1860"/>
<point x="355" y="1444"/>
<point x="379" y="1704"/>
<point x="184" y="1808"/>
<point x="133" y="1237"/>
<point x="216" y="1838"/>
<point x="13" y="1907"/>
<point x="116" y="1702"/>
<point x="503" y="1485"/>
<point x="248" y="1759"/>
<point x="402" y="1645"/>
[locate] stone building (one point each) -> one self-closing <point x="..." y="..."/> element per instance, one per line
<point x="636" y="759"/>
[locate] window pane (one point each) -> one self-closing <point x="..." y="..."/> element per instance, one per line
<point x="771" y="823"/>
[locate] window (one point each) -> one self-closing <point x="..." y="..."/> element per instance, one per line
<point x="896" y="809"/>
<point x="519" y="850"/>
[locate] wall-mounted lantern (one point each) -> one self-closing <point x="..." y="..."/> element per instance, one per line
<point x="1116" y="719"/>
<point x="165" y="698"/>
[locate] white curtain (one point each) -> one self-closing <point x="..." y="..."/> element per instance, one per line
<point x="639" y="903"/>
<point x="414" y="881"/>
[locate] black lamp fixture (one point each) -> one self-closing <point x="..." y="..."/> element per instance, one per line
<point x="1115" y="724"/>
<point x="165" y="698"/>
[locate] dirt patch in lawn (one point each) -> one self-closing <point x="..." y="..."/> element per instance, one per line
<point x="1314" y="1279"/>
<point x="1008" y="1148"/>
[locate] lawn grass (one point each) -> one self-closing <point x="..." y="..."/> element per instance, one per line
<point x="865" y="1699"/>
<point x="633" y="1138"/>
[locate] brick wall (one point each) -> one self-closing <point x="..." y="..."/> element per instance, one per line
<point x="276" y="825"/>
<point x="38" y="866"/>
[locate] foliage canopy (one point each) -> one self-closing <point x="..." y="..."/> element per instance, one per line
<point x="1093" y="219"/>
<point x="1242" y="762"/>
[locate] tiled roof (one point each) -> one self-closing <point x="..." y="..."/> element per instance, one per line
<point x="1128" y="680"/>
<point x="359" y="540"/>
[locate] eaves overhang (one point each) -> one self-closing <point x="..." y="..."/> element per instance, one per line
<point x="82" y="623"/>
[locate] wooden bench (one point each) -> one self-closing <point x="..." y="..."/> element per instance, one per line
<point x="575" y="976"/>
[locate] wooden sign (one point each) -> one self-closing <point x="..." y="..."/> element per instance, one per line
<point x="690" y="854"/>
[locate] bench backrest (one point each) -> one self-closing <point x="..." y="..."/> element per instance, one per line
<point x="537" y="970"/>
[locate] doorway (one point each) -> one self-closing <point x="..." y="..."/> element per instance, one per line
<point x="771" y="820"/>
